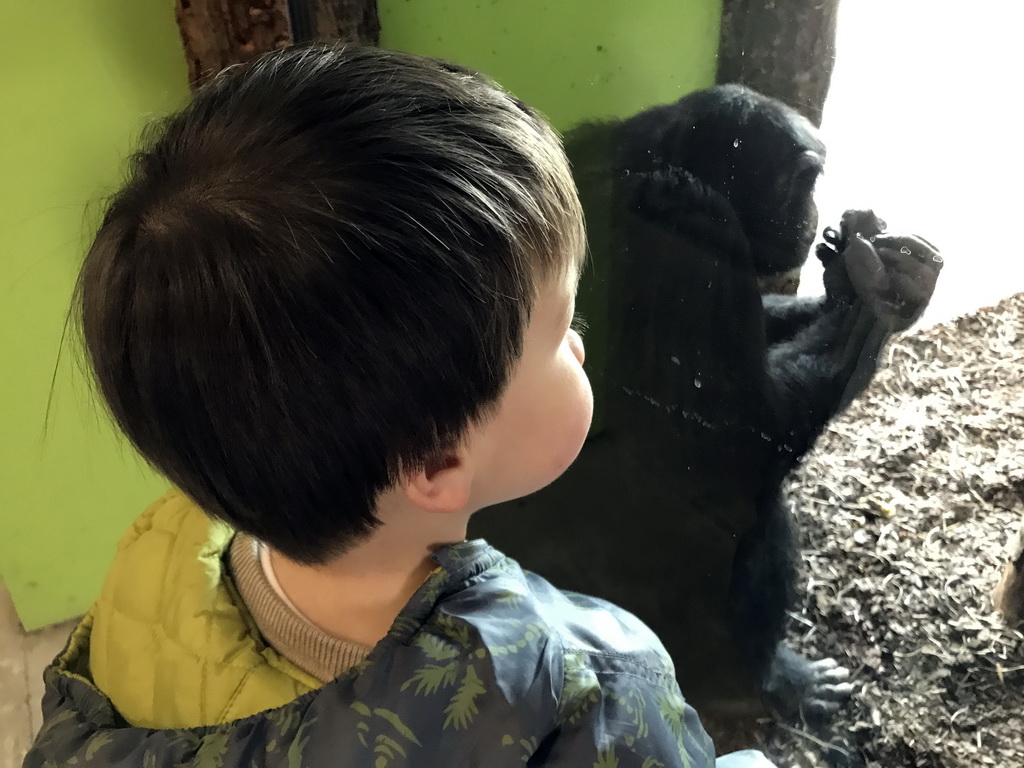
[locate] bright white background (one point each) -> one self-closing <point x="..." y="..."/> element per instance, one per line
<point x="923" y="124"/>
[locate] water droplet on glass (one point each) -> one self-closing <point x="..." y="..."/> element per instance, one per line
<point x="905" y="251"/>
<point x="736" y="143"/>
<point x="872" y="238"/>
<point x="696" y="383"/>
<point x="674" y="359"/>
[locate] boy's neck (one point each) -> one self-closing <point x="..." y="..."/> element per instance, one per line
<point x="357" y="595"/>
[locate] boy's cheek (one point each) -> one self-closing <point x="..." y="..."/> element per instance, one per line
<point x="582" y="412"/>
<point x="576" y="345"/>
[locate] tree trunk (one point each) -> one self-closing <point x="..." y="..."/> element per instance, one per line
<point x="350" y="20"/>
<point x="218" y="33"/>
<point x="784" y="49"/>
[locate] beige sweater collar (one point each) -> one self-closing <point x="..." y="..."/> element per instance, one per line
<point x="311" y="649"/>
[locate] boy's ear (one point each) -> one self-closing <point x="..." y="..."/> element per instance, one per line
<point x="443" y="485"/>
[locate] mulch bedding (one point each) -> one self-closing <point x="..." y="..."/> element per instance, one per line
<point x="905" y="508"/>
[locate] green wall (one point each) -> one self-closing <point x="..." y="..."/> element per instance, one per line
<point x="572" y="59"/>
<point x="79" y="79"/>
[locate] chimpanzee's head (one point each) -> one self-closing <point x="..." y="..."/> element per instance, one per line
<point x="763" y="156"/>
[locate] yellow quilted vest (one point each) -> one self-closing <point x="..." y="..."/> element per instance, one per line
<point x="172" y="644"/>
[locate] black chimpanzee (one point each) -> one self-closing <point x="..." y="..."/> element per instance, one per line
<point x="710" y="394"/>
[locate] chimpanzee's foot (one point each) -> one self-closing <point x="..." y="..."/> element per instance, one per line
<point x="797" y="685"/>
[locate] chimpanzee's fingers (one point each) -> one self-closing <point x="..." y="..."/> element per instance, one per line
<point x="912" y="269"/>
<point x="910" y="245"/>
<point x="862" y="222"/>
<point x="829" y="690"/>
<point x="825" y="253"/>
<point x="865" y="268"/>
<point x="832" y="699"/>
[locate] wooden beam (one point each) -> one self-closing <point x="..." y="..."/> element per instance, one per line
<point x="354" y="21"/>
<point x="784" y="49"/>
<point x="218" y="33"/>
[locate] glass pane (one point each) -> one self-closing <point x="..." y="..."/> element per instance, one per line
<point x="794" y="440"/>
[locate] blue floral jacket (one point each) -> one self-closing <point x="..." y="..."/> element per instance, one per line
<point x="487" y="666"/>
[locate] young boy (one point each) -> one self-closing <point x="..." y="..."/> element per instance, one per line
<point x="332" y="304"/>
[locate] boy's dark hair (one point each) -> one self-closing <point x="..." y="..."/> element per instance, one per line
<point x="317" y="276"/>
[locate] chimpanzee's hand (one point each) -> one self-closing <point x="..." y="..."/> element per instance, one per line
<point x="894" y="275"/>
<point x="838" y="287"/>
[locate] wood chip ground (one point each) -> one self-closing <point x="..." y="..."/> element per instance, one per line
<point x="905" y="509"/>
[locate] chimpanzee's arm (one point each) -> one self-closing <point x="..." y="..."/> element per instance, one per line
<point x="876" y="285"/>
<point x="785" y="316"/>
<point x="818" y="372"/>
